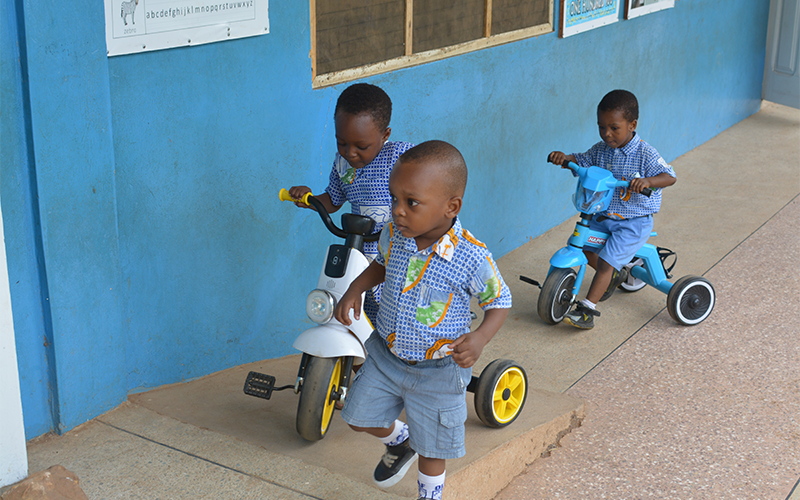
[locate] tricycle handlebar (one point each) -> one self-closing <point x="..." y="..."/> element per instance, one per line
<point x="311" y="201"/>
<point x="576" y="168"/>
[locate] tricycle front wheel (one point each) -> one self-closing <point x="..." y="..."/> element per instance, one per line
<point x="501" y="393"/>
<point x="556" y="295"/>
<point x="317" y="397"/>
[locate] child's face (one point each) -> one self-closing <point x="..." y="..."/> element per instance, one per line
<point x="614" y="129"/>
<point x="422" y="207"/>
<point x="358" y="139"/>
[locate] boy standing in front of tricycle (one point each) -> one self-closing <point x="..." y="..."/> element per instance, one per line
<point x="422" y="352"/>
<point x="362" y="164"/>
<point x="629" y="218"/>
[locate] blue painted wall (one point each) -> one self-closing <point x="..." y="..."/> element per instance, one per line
<point x="167" y="255"/>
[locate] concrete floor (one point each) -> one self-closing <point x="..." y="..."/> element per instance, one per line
<point x="673" y="412"/>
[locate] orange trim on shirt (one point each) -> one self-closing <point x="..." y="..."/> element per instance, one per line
<point x="471" y="238"/>
<point x="436" y="346"/>
<point x="444" y="313"/>
<point x="412" y="285"/>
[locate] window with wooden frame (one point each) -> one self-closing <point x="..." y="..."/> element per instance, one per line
<point x="351" y="39"/>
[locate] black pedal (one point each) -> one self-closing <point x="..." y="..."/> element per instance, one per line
<point x="259" y="385"/>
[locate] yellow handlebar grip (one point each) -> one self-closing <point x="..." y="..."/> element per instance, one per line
<point x="284" y="195"/>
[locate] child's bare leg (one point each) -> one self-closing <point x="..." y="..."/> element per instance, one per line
<point x="592" y="257"/>
<point x="431" y="466"/>
<point x="378" y="432"/>
<point x="602" y="278"/>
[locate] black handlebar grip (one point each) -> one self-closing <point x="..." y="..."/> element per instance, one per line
<point x="647" y="192"/>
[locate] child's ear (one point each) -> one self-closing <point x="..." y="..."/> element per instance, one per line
<point x="453" y="207"/>
<point x="633" y="124"/>
<point x="387" y="133"/>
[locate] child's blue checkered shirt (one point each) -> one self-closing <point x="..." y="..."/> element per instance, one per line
<point x="367" y="188"/>
<point x="426" y="294"/>
<point x="636" y="157"/>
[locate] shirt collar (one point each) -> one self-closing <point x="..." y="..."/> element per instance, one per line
<point x="632" y="144"/>
<point x="445" y="247"/>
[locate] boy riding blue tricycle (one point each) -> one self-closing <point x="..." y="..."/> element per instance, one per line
<point x="689" y="300"/>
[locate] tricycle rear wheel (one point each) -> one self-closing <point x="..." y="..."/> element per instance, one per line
<point x="501" y="393"/>
<point x="318" y="396"/>
<point x="556" y="295"/>
<point x="633" y="284"/>
<point x="690" y="300"/>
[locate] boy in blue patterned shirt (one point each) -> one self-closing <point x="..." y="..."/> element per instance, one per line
<point x="422" y="352"/>
<point x="629" y="218"/>
<point x="361" y="167"/>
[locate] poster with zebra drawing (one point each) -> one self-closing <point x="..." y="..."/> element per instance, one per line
<point x="144" y="25"/>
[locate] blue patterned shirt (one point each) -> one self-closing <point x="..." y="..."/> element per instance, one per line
<point x="367" y="188"/>
<point x="636" y="157"/>
<point x="426" y="294"/>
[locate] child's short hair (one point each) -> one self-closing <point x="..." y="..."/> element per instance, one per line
<point x="446" y="157"/>
<point x="621" y="100"/>
<point x="365" y="98"/>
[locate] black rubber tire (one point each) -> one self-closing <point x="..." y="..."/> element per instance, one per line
<point x="690" y="300"/>
<point x="501" y="393"/>
<point x="316" y="405"/>
<point x="556" y="295"/>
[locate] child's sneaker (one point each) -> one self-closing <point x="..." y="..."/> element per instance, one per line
<point x="616" y="280"/>
<point x="395" y="463"/>
<point x="581" y="317"/>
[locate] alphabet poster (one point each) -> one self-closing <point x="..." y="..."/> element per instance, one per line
<point x="578" y="16"/>
<point x="144" y="25"/>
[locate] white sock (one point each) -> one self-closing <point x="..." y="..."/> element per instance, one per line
<point x="430" y="486"/>
<point x="398" y="435"/>
<point x="590" y="305"/>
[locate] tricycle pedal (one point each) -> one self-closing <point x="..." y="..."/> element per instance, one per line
<point x="259" y="385"/>
<point x="530" y="281"/>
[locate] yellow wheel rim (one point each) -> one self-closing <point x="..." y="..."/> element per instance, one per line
<point x="333" y="384"/>
<point x="508" y="395"/>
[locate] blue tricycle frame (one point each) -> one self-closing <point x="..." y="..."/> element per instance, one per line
<point x="689" y="300"/>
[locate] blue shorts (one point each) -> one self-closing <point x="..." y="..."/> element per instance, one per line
<point x="433" y="393"/>
<point x="626" y="238"/>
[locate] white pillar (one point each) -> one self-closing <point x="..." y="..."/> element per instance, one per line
<point x="13" y="454"/>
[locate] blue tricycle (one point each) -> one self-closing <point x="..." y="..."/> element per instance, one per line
<point x="689" y="300"/>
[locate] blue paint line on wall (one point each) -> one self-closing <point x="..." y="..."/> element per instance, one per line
<point x="192" y="144"/>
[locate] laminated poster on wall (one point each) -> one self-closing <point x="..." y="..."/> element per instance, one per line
<point x="578" y="16"/>
<point x="144" y="25"/>
<point x="636" y="8"/>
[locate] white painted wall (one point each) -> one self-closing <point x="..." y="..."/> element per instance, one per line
<point x="13" y="454"/>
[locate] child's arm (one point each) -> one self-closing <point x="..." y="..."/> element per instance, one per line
<point x="558" y="158"/>
<point x="373" y="275"/>
<point x="298" y="192"/>
<point x="661" y="180"/>
<point x="468" y="347"/>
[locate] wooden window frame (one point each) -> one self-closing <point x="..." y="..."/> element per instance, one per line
<point x="410" y="59"/>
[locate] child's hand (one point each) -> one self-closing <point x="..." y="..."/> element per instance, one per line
<point x="297" y="192"/>
<point x="636" y="185"/>
<point x="558" y="158"/>
<point x="350" y="300"/>
<point x="467" y="349"/>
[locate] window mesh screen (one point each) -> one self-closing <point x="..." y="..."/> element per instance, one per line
<point x="441" y="23"/>
<point x="352" y="33"/>
<point x="512" y="15"/>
